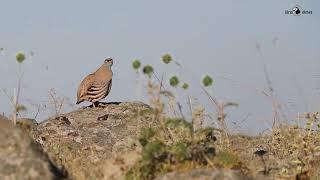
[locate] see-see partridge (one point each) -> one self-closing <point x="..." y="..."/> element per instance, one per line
<point x="96" y="86"/>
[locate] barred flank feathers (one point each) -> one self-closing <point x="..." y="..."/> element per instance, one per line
<point x="96" y="86"/>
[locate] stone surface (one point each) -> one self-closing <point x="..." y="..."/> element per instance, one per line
<point x="27" y="125"/>
<point x="92" y="143"/>
<point x="204" y="174"/>
<point x="21" y="157"/>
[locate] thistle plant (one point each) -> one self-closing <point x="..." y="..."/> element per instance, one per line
<point x="1" y="50"/>
<point x="207" y="81"/>
<point x="185" y="86"/>
<point x="136" y="64"/>
<point x="174" y="81"/>
<point x="148" y="70"/>
<point x="20" y="108"/>
<point x="20" y="57"/>
<point x="167" y="58"/>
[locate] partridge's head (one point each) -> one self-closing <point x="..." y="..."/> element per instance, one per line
<point x="108" y="62"/>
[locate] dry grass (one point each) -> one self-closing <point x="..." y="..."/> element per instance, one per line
<point x="288" y="151"/>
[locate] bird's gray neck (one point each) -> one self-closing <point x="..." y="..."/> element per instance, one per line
<point x="107" y="66"/>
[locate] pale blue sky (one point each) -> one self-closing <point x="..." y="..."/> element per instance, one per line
<point x="216" y="37"/>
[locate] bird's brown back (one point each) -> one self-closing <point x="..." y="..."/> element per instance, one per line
<point x="95" y="86"/>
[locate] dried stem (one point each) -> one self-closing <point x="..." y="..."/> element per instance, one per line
<point x="276" y="107"/>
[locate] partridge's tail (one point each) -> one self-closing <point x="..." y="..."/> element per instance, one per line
<point x="78" y="102"/>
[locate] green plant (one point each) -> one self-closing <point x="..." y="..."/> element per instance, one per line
<point x="177" y="122"/>
<point x="185" y="86"/>
<point x="145" y="135"/>
<point x="20" y="57"/>
<point x="205" y="135"/>
<point x="148" y="70"/>
<point x="153" y="150"/>
<point x="169" y="147"/>
<point x="136" y="64"/>
<point x="180" y="151"/>
<point x="174" y="81"/>
<point x="20" y="108"/>
<point x="167" y="58"/>
<point x="227" y="159"/>
<point x="207" y="81"/>
<point x="175" y="142"/>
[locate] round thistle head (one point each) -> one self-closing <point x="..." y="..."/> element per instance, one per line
<point x="20" y="108"/>
<point x="108" y="61"/>
<point x="207" y="81"/>
<point x="167" y="58"/>
<point x="20" y="57"/>
<point x="136" y="64"/>
<point x="174" y="81"/>
<point x="148" y="70"/>
<point x="185" y="86"/>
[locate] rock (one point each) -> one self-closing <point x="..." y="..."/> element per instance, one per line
<point x="21" y="157"/>
<point x="94" y="143"/>
<point x="199" y="174"/>
<point x="27" y="124"/>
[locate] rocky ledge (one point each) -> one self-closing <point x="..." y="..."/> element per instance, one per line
<point x="87" y="141"/>
<point x="100" y="143"/>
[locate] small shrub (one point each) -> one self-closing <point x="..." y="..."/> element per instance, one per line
<point x="227" y="159"/>
<point x="180" y="152"/>
<point x="153" y="150"/>
<point x="176" y="122"/>
<point x="205" y="135"/>
<point x="145" y="135"/>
